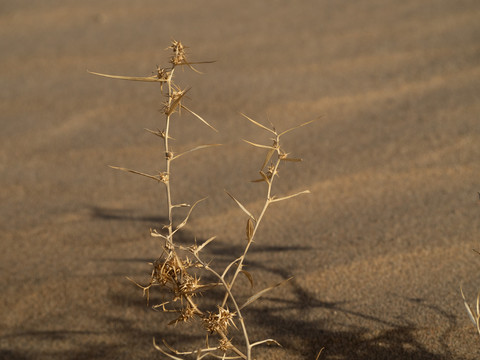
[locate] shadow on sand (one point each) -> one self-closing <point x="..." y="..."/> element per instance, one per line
<point x="129" y="339"/>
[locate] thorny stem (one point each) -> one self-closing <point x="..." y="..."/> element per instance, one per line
<point x="257" y="223"/>
<point x="237" y="309"/>
<point x="168" y="161"/>
<point x="228" y="287"/>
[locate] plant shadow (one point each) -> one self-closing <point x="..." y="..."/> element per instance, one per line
<point x="129" y="337"/>
<point x="308" y="337"/>
<point x="113" y="214"/>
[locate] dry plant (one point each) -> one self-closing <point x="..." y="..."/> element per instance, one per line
<point x="178" y="269"/>
<point x="474" y="314"/>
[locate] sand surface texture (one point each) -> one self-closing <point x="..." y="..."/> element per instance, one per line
<point x="378" y="251"/>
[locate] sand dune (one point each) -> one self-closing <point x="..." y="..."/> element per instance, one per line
<point x="378" y="250"/>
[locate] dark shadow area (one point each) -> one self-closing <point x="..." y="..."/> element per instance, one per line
<point x="132" y="339"/>
<point x="221" y="249"/>
<point x="124" y="215"/>
<point x="299" y="336"/>
<point x="217" y="247"/>
<point x="309" y="337"/>
<point x="50" y="335"/>
<point x="12" y="355"/>
<point x="125" y="340"/>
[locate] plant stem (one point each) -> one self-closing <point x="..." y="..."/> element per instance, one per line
<point x="168" y="161"/>
<point x="257" y="223"/>
<point x="237" y="309"/>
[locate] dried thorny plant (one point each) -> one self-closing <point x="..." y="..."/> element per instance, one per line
<point x="177" y="271"/>
<point x="474" y="313"/>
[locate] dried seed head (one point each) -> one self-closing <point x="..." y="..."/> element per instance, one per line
<point x="163" y="177"/>
<point x="162" y="74"/>
<point x="187" y="286"/>
<point x="219" y="322"/>
<point x="186" y="314"/>
<point x="165" y="271"/>
<point x="177" y="94"/>
<point x="179" y="56"/>
<point x="271" y="171"/>
<point x="169" y="107"/>
<point x="225" y="345"/>
<point x="187" y="263"/>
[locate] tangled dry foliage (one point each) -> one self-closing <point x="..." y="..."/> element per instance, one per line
<point x="178" y="269"/>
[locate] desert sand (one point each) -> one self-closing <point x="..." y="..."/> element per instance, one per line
<point x="378" y="250"/>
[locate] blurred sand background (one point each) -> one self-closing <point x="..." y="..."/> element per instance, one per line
<point x="378" y="250"/>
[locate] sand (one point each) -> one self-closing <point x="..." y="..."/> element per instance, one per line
<point x="378" y="251"/>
